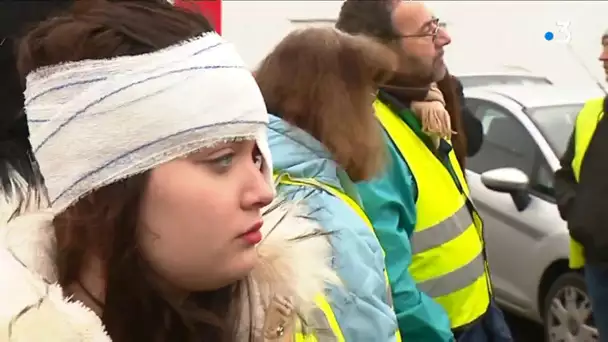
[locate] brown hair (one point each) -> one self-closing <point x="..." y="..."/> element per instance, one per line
<point x="104" y="222"/>
<point x="324" y="82"/>
<point x="448" y="86"/>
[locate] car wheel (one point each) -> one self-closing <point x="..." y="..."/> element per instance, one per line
<point x="567" y="311"/>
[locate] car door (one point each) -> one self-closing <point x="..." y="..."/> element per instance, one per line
<point x="512" y="236"/>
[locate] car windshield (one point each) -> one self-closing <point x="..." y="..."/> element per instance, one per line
<point x="556" y="124"/>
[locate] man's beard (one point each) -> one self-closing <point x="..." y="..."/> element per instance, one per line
<point x="439" y="70"/>
<point x="420" y="72"/>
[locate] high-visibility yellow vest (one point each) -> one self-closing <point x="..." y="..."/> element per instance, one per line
<point x="321" y="302"/>
<point x="326" y="327"/>
<point x="586" y="123"/>
<point x="448" y="261"/>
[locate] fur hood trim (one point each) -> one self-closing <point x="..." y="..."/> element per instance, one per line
<point x="295" y="258"/>
<point x="31" y="307"/>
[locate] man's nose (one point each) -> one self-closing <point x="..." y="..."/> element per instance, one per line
<point x="443" y="38"/>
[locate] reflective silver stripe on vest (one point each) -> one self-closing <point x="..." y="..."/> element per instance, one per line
<point x="319" y="327"/>
<point x="444" y="231"/>
<point x="454" y="281"/>
<point x="389" y="296"/>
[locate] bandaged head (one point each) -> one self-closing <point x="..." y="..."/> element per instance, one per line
<point x="96" y="122"/>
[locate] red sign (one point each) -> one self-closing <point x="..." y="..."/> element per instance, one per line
<point x="211" y="9"/>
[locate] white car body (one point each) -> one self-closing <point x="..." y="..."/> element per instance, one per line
<point x="528" y="246"/>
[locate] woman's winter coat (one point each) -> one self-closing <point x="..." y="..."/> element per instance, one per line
<point x="362" y="310"/>
<point x="34" y="308"/>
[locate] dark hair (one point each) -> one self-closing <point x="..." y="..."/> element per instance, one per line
<point x="104" y="222"/>
<point x="323" y="81"/>
<point x="21" y="185"/>
<point x="98" y="29"/>
<point x="372" y="18"/>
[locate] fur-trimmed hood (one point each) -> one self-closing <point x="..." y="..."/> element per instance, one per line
<point x="294" y="262"/>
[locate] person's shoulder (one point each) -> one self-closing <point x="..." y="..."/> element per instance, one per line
<point x="295" y="255"/>
<point x="395" y="173"/>
<point x="328" y="208"/>
<point x="597" y="101"/>
<point x="595" y="106"/>
<point x="32" y="307"/>
<point x="33" y="310"/>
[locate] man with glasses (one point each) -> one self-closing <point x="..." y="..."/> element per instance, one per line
<point x="420" y="205"/>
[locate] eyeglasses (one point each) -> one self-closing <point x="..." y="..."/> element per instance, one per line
<point x="434" y="23"/>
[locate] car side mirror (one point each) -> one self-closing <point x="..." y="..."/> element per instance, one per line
<point x="509" y="180"/>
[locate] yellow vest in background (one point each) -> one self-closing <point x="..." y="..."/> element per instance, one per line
<point x="448" y="262"/>
<point x="322" y="303"/>
<point x="586" y="123"/>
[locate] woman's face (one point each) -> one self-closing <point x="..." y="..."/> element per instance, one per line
<point x="201" y="216"/>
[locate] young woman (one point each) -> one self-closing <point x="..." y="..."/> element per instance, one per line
<point x="151" y="136"/>
<point x="320" y="85"/>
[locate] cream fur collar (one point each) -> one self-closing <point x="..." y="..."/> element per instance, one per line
<point x="294" y="262"/>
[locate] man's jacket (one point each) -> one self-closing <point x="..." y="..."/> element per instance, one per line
<point x="582" y="202"/>
<point x="389" y="201"/>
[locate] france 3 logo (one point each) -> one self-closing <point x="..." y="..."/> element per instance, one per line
<point x="561" y="33"/>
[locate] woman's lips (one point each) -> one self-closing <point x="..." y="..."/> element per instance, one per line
<point x="253" y="236"/>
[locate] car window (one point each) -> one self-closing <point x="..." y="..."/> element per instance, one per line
<point x="484" y="80"/>
<point x="488" y="116"/>
<point x="544" y="181"/>
<point x="506" y="142"/>
<point x="555" y="123"/>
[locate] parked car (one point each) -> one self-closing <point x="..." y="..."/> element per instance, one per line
<point x="501" y="78"/>
<point x="526" y="129"/>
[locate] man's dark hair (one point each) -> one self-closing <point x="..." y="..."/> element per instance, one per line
<point x="372" y="18"/>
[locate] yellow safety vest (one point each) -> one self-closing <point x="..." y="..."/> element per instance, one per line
<point x="321" y="302"/>
<point x="586" y="123"/>
<point x="325" y="325"/>
<point x="448" y="262"/>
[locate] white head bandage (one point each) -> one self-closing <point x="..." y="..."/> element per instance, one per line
<point x="95" y="122"/>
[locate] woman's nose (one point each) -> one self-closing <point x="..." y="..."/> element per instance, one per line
<point x="259" y="192"/>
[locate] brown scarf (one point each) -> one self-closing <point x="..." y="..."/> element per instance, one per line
<point x="437" y="107"/>
<point x="406" y="88"/>
<point x="433" y="115"/>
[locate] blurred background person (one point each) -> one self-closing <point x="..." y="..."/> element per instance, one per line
<point x="320" y="84"/>
<point x="420" y="207"/>
<point x="155" y="229"/>
<point x="580" y="190"/>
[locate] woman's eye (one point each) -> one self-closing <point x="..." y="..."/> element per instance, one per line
<point x="258" y="160"/>
<point x="223" y="161"/>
